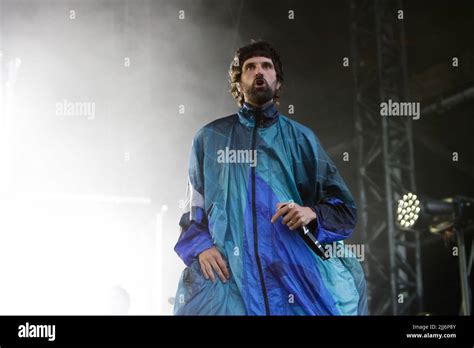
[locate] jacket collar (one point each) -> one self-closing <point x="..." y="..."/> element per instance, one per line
<point x="248" y="113"/>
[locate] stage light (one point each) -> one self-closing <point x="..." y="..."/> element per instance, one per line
<point x="408" y="211"/>
<point x="454" y="214"/>
<point x="416" y="213"/>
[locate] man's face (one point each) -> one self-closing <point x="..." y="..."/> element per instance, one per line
<point x="258" y="81"/>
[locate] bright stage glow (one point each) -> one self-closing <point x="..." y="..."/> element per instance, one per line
<point x="72" y="257"/>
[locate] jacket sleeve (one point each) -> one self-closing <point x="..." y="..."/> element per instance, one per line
<point x="335" y="209"/>
<point x="194" y="235"/>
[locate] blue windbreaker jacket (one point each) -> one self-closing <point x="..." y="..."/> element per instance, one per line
<point x="231" y="200"/>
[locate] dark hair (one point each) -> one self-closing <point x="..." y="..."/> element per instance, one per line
<point x="258" y="48"/>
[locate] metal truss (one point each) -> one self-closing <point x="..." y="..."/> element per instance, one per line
<point x="385" y="157"/>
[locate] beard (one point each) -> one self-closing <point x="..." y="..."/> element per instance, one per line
<point x="259" y="96"/>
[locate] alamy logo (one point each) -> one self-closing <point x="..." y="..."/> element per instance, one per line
<point x="345" y="251"/>
<point x="237" y="156"/>
<point x="43" y="331"/>
<point x="68" y="108"/>
<point x="393" y="108"/>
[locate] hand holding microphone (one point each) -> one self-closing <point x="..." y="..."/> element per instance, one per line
<point x="295" y="217"/>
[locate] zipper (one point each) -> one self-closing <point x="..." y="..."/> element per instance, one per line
<point x="254" y="217"/>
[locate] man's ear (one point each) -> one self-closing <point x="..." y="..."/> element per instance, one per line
<point x="238" y="87"/>
<point x="278" y="85"/>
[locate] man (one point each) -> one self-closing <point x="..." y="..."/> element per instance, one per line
<point x="255" y="179"/>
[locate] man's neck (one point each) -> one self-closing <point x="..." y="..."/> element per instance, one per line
<point x="268" y="103"/>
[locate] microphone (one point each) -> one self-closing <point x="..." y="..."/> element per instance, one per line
<point x="313" y="243"/>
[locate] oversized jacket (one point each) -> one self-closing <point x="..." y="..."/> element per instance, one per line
<point x="231" y="199"/>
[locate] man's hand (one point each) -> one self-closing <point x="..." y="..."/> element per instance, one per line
<point x="295" y="215"/>
<point x="211" y="259"/>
